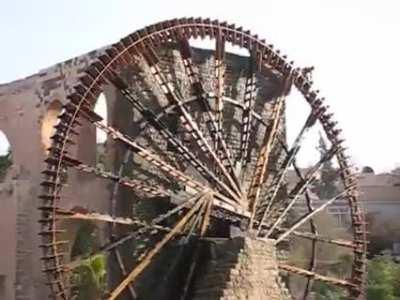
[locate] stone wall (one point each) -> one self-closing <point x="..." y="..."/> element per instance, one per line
<point x="8" y="237"/>
<point x="27" y="105"/>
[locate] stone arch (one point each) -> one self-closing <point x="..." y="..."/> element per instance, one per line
<point x="7" y="221"/>
<point x="5" y="155"/>
<point x="90" y="136"/>
<point x="101" y="109"/>
<point x="48" y="122"/>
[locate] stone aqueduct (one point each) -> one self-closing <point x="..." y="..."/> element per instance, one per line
<point x="29" y="109"/>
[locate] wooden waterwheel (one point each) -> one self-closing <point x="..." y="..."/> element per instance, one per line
<point x="204" y="147"/>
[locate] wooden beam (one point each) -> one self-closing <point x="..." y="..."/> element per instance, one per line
<point x="263" y="159"/>
<point x="315" y="276"/>
<point x="153" y="252"/>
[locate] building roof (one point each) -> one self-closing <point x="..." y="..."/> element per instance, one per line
<point x="373" y="187"/>
<point x="379" y="187"/>
<point x="384" y="179"/>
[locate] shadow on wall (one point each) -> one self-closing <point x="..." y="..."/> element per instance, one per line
<point x="48" y="122"/>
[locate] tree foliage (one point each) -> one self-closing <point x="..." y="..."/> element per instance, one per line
<point x="383" y="279"/>
<point x="324" y="291"/>
<point x="326" y="185"/>
<point x="383" y="282"/>
<point x="89" y="278"/>
<point x="5" y="163"/>
<point x="383" y="234"/>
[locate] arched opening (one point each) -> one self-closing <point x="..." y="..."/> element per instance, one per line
<point x="100" y="108"/>
<point x="92" y="140"/>
<point x="5" y="155"/>
<point x="209" y="44"/>
<point x="89" y="274"/>
<point x="7" y="221"/>
<point x="89" y="277"/>
<point x="48" y="123"/>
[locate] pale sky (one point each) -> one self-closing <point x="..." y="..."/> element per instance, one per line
<point x="354" y="46"/>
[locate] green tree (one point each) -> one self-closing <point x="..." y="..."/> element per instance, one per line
<point x="383" y="279"/>
<point x="324" y="291"/>
<point x="89" y="278"/>
<point x="326" y="185"/>
<point x="5" y="163"/>
<point x="383" y="282"/>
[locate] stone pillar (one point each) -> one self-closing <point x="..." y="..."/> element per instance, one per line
<point x="243" y="268"/>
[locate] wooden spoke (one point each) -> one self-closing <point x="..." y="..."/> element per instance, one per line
<point x="186" y="204"/>
<point x="124" y="272"/>
<point x="194" y="224"/>
<point x="150" y="255"/>
<point x="242" y="106"/>
<point x="196" y="254"/>
<point x="115" y="190"/>
<point x="142" y="229"/>
<point x="300" y="188"/>
<point x="289" y="159"/>
<point x="292" y="152"/>
<point x="206" y="217"/>
<point x="315" y="276"/>
<point x="219" y="84"/>
<point x="112" y="246"/>
<point x="297" y="190"/>
<point x="216" y="131"/>
<point x="313" y="226"/>
<point x="309" y="215"/>
<point x="138" y="186"/>
<point x="162" y="128"/>
<point x="263" y="158"/>
<point x="94" y="216"/>
<point x="111" y="227"/>
<point x="189" y="124"/>
<point x="105" y="248"/>
<point x="154" y="160"/>
<point x="320" y="238"/>
<point x="186" y="239"/>
<point x="249" y="98"/>
<point x="172" y="107"/>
